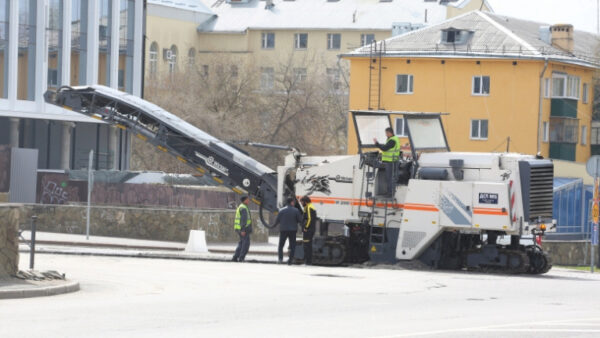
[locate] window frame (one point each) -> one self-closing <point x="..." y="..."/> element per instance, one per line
<point x="409" y="85"/>
<point x="264" y="72"/>
<point x="363" y="39"/>
<point x="571" y="86"/>
<point x="546" y="131"/>
<point x="153" y="58"/>
<point x="330" y="40"/>
<point x="583" y="140"/>
<point x="404" y="127"/>
<point x="300" y="75"/>
<point x="264" y="42"/>
<point x="547" y="88"/>
<point x="479" y="133"/>
<point x="481" y="85"/>
<point x="584" y="93"/>
<point x="297" y="41"/>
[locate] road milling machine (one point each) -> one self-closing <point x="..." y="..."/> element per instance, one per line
<point x="447" y="209"/>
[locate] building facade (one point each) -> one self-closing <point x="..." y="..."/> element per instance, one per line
<point x="507" y="84"/>
<point x="308" y="35"/>
<point x="46" y="44"/>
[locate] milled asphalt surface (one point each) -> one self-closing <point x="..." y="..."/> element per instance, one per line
<point x="136" y="297"/>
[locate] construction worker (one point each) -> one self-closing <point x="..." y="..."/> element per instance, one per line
<point x="243" y="227"/>
<point x="390" y="154"/>
<point x="288" y="219"/>
<point x="308" y="228"/>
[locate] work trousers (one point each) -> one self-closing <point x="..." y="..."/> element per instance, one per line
<point x="242" y="247"/>
<point x="291" y="236"/>
<point x="307" y="238"/>
<point x="390" y="169"/>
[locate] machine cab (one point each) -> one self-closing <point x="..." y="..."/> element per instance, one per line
<point x="425" y="134"/>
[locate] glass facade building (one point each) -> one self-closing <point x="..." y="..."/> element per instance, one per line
<point x="46" y="44"/>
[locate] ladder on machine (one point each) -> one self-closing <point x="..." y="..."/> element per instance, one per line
<point x="376" y="51"/>
<point x="376" y="210"/>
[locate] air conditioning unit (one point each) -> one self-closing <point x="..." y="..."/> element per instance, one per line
<point x="167" y="54"/>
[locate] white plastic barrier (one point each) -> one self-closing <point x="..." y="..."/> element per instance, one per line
<point x="197" y="242"/>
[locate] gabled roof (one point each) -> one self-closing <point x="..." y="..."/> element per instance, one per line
<point x="320" y="14"/>
<point x="494" y="36"/>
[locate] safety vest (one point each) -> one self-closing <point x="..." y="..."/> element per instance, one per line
<point x="238" y="216"/>
<point x="391" y="155"/>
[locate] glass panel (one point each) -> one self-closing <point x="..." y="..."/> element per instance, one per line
<point x="127" y="18"/>
<point x="426" y="133"/>
<point x="55" y="42"/>
<point x="402" y="83"/>
<point x="153" y="56"/>
<point x="564" y="130"/>
<point x="400" y="126"/>
<point x="104" y="42"/>
<point x="484" y="129"/>
<point x="475" y="128"/>
<point x="558" y="86"/>
<point x="476" y="85"/>
<point x="372" y="126"/>
<point x="78" y="42"/>
<point x="486" y="85"/>
<point x="4" y="20"/>
<point x="26" y="68"/>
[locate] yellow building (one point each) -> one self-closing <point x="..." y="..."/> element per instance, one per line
<point x="505" y="82"/>
<point x="271" y="34"/>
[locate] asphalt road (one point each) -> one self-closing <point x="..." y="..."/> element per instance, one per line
<point x="129" y="297"/>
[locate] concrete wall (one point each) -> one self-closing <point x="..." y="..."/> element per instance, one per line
<point x="9" y="243"/>
<point x="570" y="252"/>
<point x="140" y="223"/>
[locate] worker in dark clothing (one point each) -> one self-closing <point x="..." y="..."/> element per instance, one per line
<point x="243" y="227"/>
<point x="308" y="228"/>
<point x="288" y="219"/>
<point x="390" y="155"/>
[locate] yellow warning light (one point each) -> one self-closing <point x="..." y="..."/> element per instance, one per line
<point x="543" y="227"/>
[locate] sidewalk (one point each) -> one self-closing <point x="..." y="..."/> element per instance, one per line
<point x="54" y="243"/>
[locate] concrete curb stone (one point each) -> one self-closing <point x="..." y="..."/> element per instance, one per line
<point x="42" y="291"/>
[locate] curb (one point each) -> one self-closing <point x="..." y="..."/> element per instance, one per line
<point x="70" y="286"/>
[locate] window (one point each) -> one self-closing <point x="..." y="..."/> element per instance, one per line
<point x="192" y="58"/>
<point x="153" y="58"/>
<point x="564" y="130"/>
<point x="205" y="71"/>
<point x="334" y="41"/>
<point x="52" y="77"/>
<point x="267" y="78"/>
<point x="584" y="95"/>
<point x="545" y="131"/>
<point x="456" y="36"/>
<point x="565" y="86"/>
<point x="366" y="39"/>
<point x="401" y="127"/>
<point x="268" y="40"/>
<point x="301" y="40"/>
<point x="481" y="85"/>
<point x="299" y="75"/>
<point x="547" y="88"/>
<point x="479" y="129"/>
<point x="172" y="59"/>
<point x="334" y="78"/>
<point x="404" y="84"/>
<point x="583" y="135"/>
<point x="595" y="136"/>
<point x="234" y="71"/>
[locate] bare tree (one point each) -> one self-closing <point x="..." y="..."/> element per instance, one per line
<point x="294" y="103"/>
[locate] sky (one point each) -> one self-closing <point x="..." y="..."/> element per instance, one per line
<point x="582" y="14"/>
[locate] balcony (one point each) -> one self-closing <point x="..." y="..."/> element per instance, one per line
<point x="563" y="107"/>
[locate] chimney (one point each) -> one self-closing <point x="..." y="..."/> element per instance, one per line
<point x="562" y="37"/>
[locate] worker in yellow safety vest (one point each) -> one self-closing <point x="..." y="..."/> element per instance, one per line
<point x="243" y="227"/>
<point x="390" y="155"/>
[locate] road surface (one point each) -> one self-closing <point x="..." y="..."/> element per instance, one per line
<point x="134" y="297"/>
